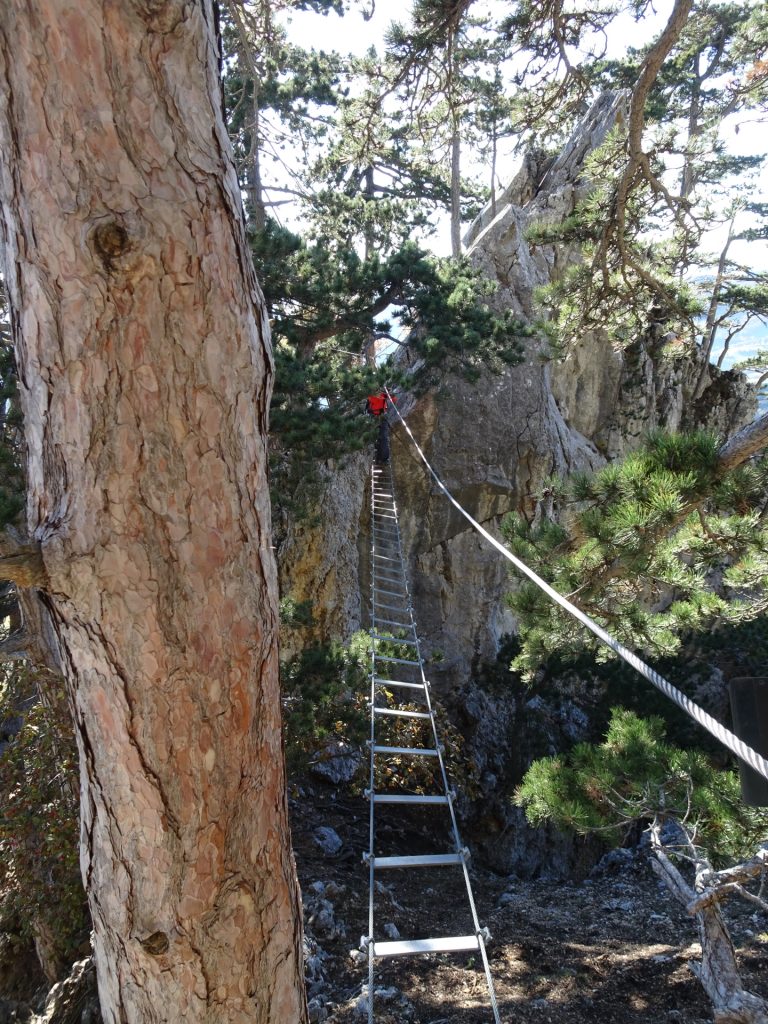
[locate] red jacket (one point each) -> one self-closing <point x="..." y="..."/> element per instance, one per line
<point x="376" y="404"/>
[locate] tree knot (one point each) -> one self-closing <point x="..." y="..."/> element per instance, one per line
<point x="110" y="241"/>
<point x="155" y="944"/>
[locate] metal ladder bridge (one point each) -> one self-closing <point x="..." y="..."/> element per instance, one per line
<point x="396" y="653"/>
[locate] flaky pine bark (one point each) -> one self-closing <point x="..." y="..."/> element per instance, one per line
<point x="145" y="372"/>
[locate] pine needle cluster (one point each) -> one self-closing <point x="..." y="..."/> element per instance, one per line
<point x="653" y="548"/>
<point x="635" y="776"/>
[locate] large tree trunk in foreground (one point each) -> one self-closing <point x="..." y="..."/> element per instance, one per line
<point x="145" y="369"/>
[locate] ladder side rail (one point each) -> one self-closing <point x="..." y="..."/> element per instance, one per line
<point x="481" y="934"/>
<point x="371" y="778"/>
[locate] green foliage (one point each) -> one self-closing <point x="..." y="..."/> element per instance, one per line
<point x="329" y="307"/>
<point x="324" y="691"/>
<point x="40" y="882"/>
<point x="321" y="290"/>
<point x="633" y="776"/>
<point x="295" y="614"/>
<point x="654" y="547"/>
<point x="641" y="239"/>
<point x="759" y="362"/>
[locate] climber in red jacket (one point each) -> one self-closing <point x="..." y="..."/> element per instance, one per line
<point x="376" y="405"/>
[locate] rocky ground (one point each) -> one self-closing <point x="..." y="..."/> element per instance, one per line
<point x="610" y="948"/>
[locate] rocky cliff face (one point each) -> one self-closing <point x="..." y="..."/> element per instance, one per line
<point x="494" y="442"/>
<point x="318" y="556"/>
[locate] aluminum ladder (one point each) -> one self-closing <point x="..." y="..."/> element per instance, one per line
<point x="393" y="630"/>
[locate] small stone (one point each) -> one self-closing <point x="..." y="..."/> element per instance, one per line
<point x="337" y="763"/>
<point x="619" y="906"/>
<point x="321" y="919"/>
<point x="391" y="931"/>
<point x="317" y="1011"/>
<point x="328" y="840"/>
<point x="614" y="862"/>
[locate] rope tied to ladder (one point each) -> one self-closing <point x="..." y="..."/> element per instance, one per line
<point x="729" y="739"/>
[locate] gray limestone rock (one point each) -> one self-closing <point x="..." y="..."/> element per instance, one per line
<point x="74" y="1000"/>
<point x="495" y="441"/>
<point x="321" y="921"/>
<point x="337" y="762"/>
<point x="328" y="840"/>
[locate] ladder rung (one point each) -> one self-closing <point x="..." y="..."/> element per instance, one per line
<point x="457" y="944"/>
<point x="383" y="515"/>
<point x="391" y="798"/>
<point x="435" y="860"/>
<point x="394" y="713"/>
<point x="390" y="607"/>
<point x="415" y="751"/>
<point x="398" y="682"/>
<point x="394" y="640"/>
<point x="386" y="558"/>
<point x="390" y="593"/>
<point x="391" y="622"/>
<point x="395" y="661"/>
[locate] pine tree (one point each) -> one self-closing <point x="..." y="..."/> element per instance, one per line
<point x="640" y="230"/>
<point x="694" y="819"/>
<point x="668" y="541"/>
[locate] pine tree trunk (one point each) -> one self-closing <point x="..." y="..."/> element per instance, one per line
<point x="145" y="373"/>
<point x="456" y="193"/>
<point x="718" y="971"/>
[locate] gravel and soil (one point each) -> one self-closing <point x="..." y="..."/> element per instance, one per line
<point x="613" y="948"/>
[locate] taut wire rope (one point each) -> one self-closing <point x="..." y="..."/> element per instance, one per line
<point x="729" y="739"/>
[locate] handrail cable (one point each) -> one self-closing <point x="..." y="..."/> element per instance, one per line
<point x="725" y="736"/>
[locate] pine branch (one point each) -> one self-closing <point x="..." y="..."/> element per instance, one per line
<point x="742" y="446"/>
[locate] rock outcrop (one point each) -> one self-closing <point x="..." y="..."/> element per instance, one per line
<point x="318" y="556"/>
<point x="494" y="442"/>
